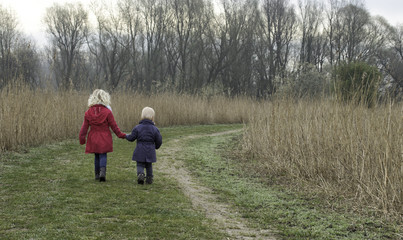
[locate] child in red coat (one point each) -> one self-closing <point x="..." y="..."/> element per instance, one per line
<point x="99" y="118"/>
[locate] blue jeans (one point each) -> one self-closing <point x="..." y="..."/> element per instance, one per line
<point x="147" y="165"/>
<point x="100" y="161"/>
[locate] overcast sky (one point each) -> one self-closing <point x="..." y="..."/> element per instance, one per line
<point x="30" y="12"/>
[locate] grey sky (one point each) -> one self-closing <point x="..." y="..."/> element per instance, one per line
<point x="30" y="12"/>
<point x="392" y="10"/>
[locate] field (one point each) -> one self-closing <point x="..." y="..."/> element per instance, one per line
<point x="29" y="118"/>
<point x="199" y="193"/>
<point x="346" y="151"/>
<point x="342" y="158"/>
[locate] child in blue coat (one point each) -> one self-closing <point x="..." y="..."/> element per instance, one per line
<point x="148" y="139"/>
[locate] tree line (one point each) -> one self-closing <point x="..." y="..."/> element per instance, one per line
<point x="232" y="47"/>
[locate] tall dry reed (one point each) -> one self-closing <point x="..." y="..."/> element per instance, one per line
<point x="30" y="118"/>
<point x="349" y="149"/>
<point x="346" y="149"/>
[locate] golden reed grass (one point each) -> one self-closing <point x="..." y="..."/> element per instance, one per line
<point x="348" y="150"/>
<point x="345" y="149"/>
<point x="29" y="118"/>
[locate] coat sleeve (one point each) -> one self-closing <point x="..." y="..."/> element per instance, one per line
<point x="114" y="126"/>
<point x="83" y="131"/>
<point x="132" y="136"/>
<point x="157" y="138"/>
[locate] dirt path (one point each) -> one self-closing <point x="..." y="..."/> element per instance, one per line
<point x="203" y="199"/>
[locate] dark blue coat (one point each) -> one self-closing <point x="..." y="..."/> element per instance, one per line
<point x="148" y="139"/>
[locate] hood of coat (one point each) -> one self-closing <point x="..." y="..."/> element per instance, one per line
<point x="97" y="114"/>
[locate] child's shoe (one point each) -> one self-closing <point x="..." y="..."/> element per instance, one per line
<point x="149" y="179"/>
<point x="140" y="178"/>
<point x="102" y="174"/>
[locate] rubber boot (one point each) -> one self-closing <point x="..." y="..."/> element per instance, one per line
<point x="149" y="179"/>
<point x="96" y="174"/>
<point x="102" y="174"/>
<point x="140" y="178"/>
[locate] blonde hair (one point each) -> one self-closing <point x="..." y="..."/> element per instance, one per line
<point x="147" y="113"/>
<point x="99" y="96"/>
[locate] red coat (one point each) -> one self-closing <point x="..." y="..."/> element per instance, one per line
<point x="99" y="119"/>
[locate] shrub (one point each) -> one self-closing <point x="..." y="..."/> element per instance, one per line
<point x="358" y="82"/>
<point x="309" y="82"/>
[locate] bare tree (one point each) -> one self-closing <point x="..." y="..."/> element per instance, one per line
<point x="241" y="27"/>
<point x="8" y="35"/>
<point x="378" y="31"/>
<point x="184" y="17"/>
<point x="216" y="49"/>
<point x="111" y="46"/>
<point x="247" y="46"/>
<point x="27" y="62"/>
<point x="198" y="45"/>
<point x="278" y="29"/>
<point x="67" y="26"/>
<point x="19" y="58"/>
<point x="334" y="30"/>
<point x="397" y="40"/>
<point x="311" y="17"/>
<point x="133" y="24"/>
<point x="154" y="14"/>
<point x="186" y="44"/>
<point x="347" y="30"/>
<point x="390" y="58"/>
<point x="355" y="19"/>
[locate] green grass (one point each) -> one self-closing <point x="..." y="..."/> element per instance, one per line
<point x="49" y="193"/>
<point x="291" y="215"/>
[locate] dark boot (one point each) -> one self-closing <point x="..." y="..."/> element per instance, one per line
<point x="96" y="174"/>
<point x="149" y="179"/>
<point x="102" y="174"/>
<point x="140" y="178"/>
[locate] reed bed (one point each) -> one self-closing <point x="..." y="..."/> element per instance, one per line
<point x="29" y="118"/>
<point x="346" y="150"/>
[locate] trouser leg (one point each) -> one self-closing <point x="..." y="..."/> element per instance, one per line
<point x="102" y="164"/>
<point x="96" y="166"/>
<point x="140" y="167"/>
<point x="102" y="159"/>
<point x="140" y="172"/>
<point x="149" y="168"/>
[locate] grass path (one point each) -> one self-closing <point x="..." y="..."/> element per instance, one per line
<point x="48" y="192"/>
<point x="263" y="208"/>
<point x="227" y="218"/>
